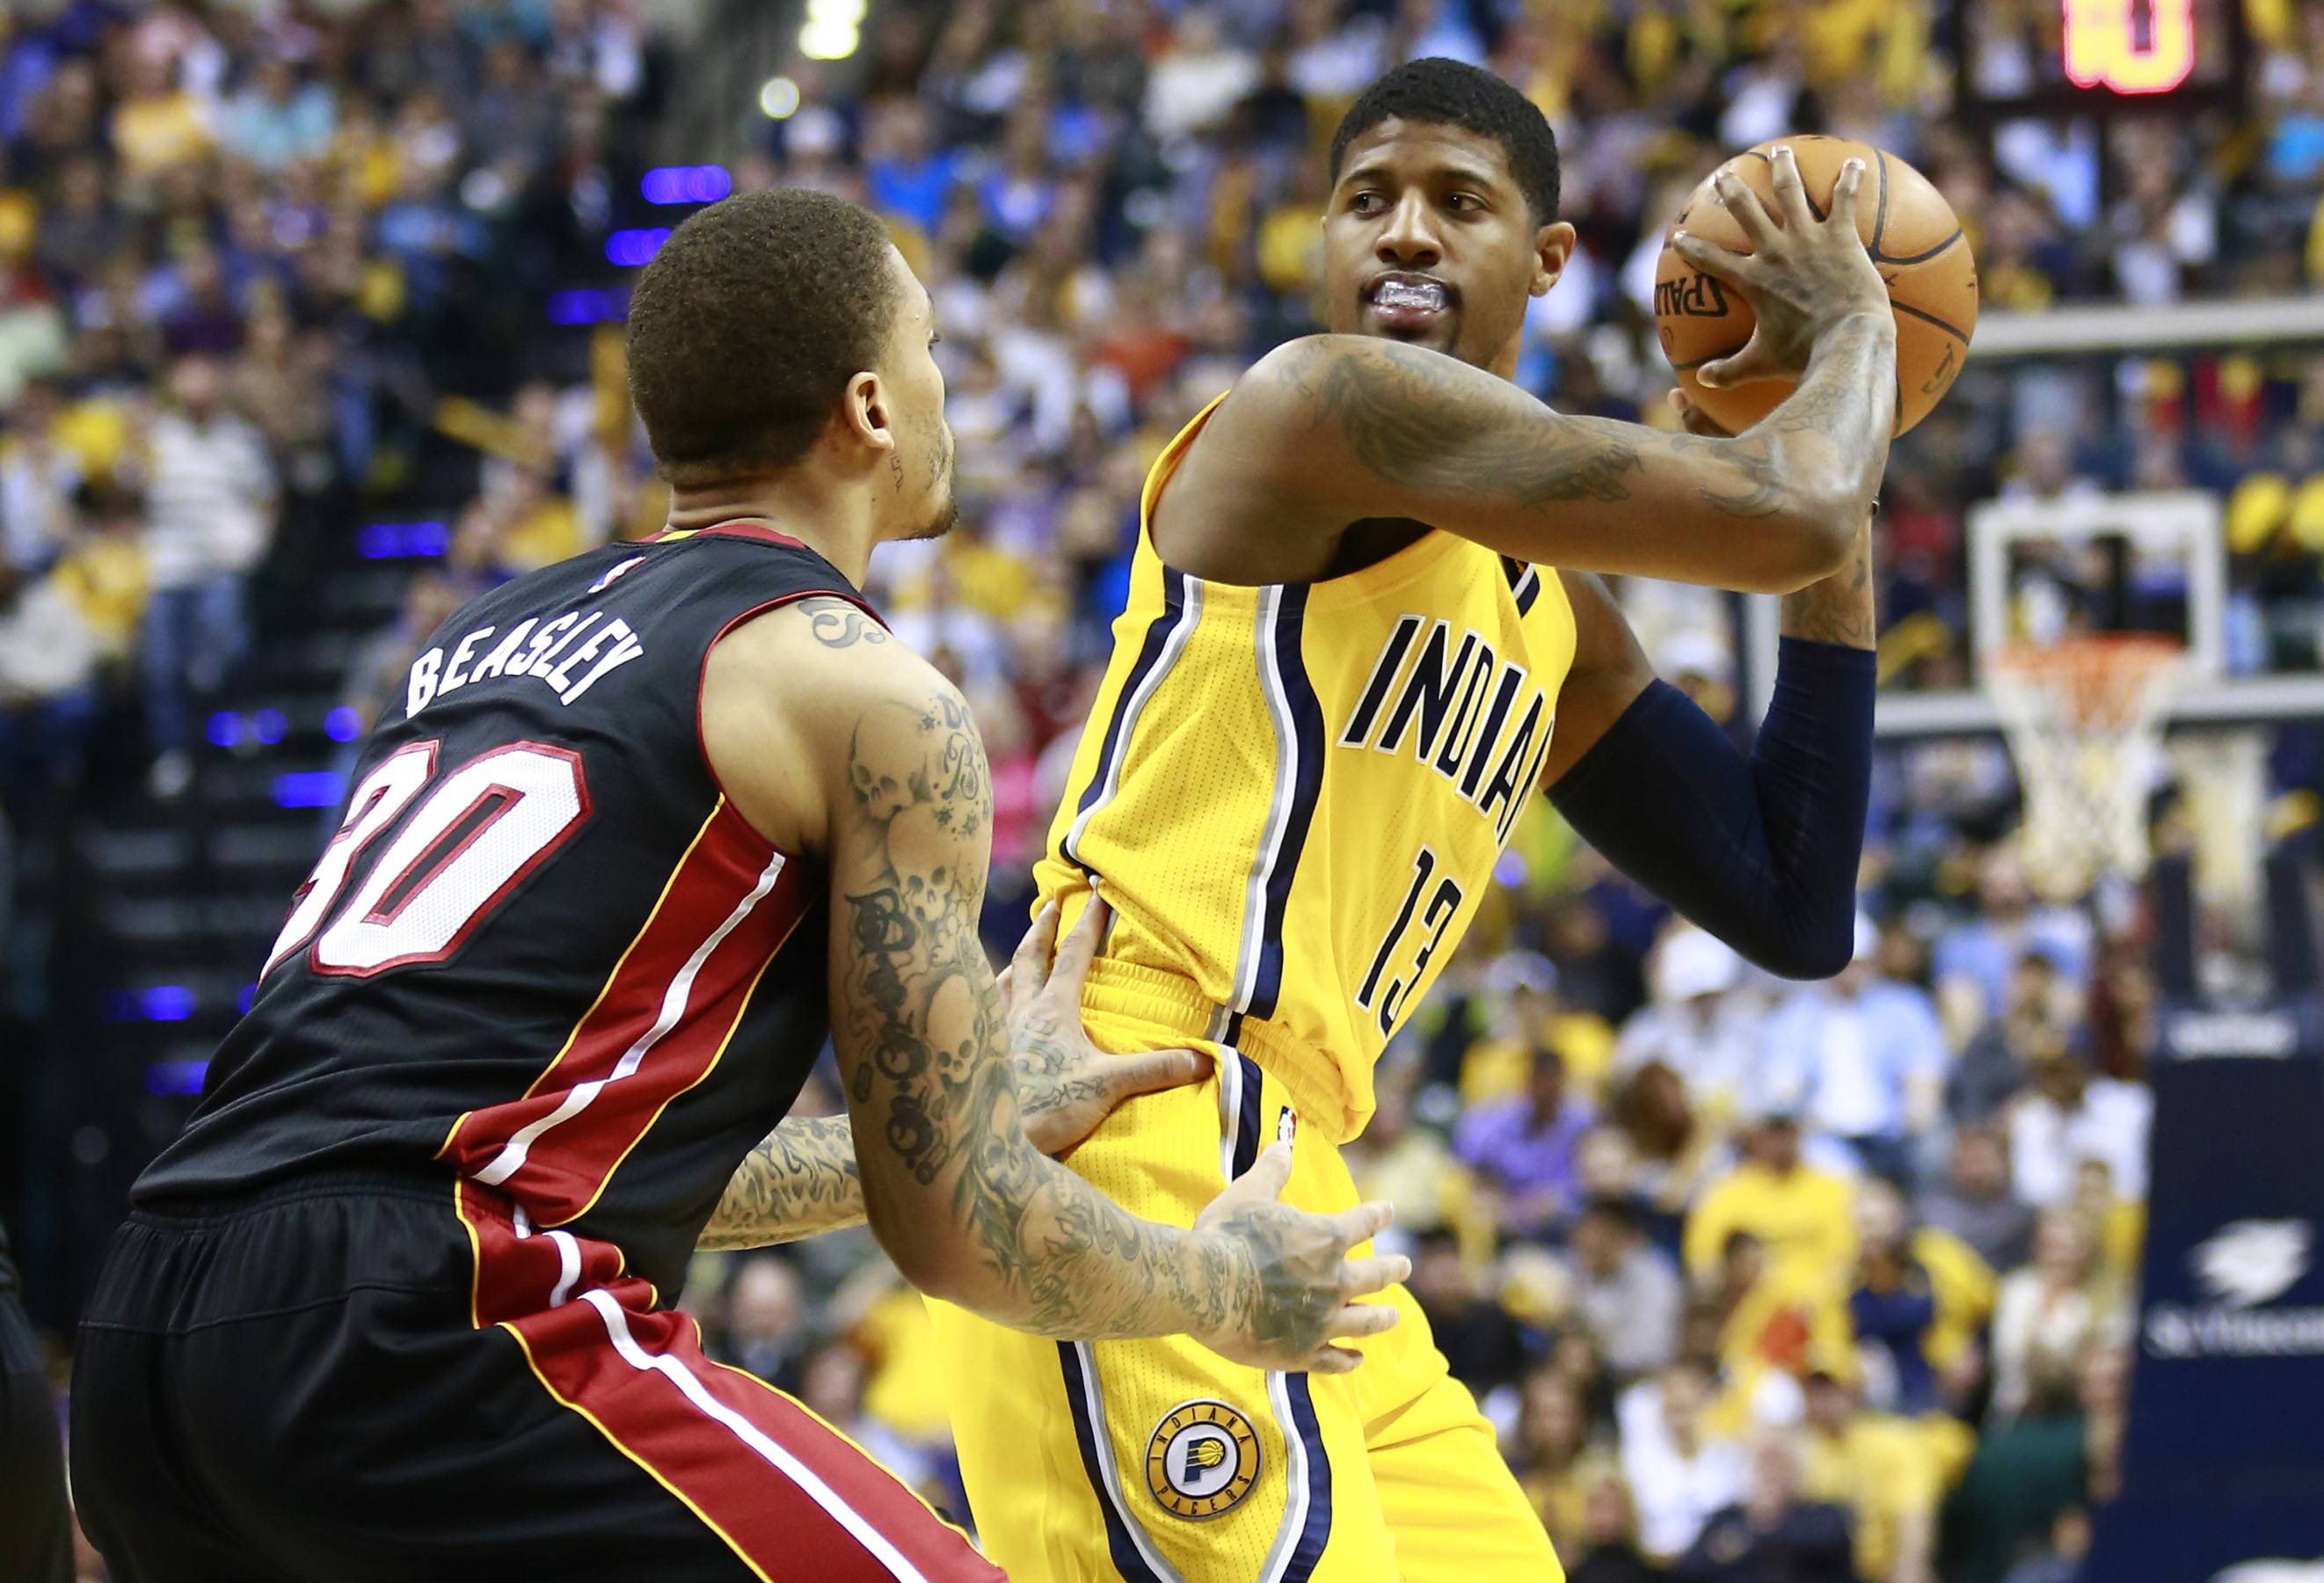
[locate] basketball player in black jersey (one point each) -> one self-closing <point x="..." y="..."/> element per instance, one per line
<point x="648" y="828"/>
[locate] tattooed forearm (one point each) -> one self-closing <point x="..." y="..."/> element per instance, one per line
<point x="837" y="625"/>
<point x="799" y="1181"/>
<point x="1839" y="609"/>
<point x="921" y="1029"/>
<point x="1399" y="409"/>
<point x="1459" y="448"/>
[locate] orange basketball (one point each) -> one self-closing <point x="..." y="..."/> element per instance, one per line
<point x="1916" y="241"/>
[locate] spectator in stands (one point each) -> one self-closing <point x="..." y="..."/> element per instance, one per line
<point x="1549" y="1453"/>
<point x="2051" y="1313"/>
<point x="1698" y="1024"/>
<point x="210" y="494"/>
<point x="1974" y="1201"/>
<point x="1771" y="1532"/>
<point x="765" y="1327"/>
<point x="1477" y="1335"/>
<point x="1973" y="959"/>
<point x="1800" y="1212"/>
<point x="1879" y="1470"/>
<point x="1520" y="996"/>
<point x="1608" y="1551"/>
<point x="2068" y="1116"/>
<point x="1671" y="1146"/>
<point x="1892" y="1303"/>
<point x="1991" y="1070"/>
<point x="38" y="475"/>
<point x="48" y="672"/>
<point x="1523" y="1149"/>
<point x="1678" y="1473"/>
<point x="2027" y="1473"/>
<point x="1625" y="1289"/>
<point x="1865" y="1056"/>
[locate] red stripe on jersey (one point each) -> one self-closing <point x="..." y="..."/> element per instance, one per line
<point x="788" y="1493"/>
<point x="657" y="1027"/>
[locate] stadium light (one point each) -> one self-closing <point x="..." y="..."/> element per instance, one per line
<point x="310" y="789"/>
<point x="666" y="185"/>
<point x="628" y="249"/>
<point x="833" y="28"/>
<point x="778" y="98"/>
<point x="828" y="41"/>
<point x="176" y="1077"/>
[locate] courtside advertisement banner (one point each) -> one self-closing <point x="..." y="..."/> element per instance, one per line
<point x="2223" y="1478"/>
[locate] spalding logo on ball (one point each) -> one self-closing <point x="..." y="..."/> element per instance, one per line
<point x="1916" y="241"/>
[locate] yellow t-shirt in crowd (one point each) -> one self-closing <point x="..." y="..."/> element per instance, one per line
<point x="1964" y="1286"/>
<point x="1498" y="1068"/>
<point x="1880" y="1468"/>
<point x="155" y="133"/>
<point x="1801" y="1217"/>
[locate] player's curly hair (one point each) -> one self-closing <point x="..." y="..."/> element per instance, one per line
<point x="1453" y="94"/>
<point x="747" y="325"/>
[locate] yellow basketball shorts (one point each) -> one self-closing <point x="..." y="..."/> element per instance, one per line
<point x="1161" y="1462"/>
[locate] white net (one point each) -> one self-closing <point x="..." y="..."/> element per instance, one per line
<point x="2084" y="718"/>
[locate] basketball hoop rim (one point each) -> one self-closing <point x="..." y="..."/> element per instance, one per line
<point x="2090" y="680"/>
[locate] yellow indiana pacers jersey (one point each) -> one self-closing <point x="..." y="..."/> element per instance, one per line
<point x="1295" y="795"/>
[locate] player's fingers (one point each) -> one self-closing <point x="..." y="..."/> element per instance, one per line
<point x="1843" y="194"/>
<point x="1376" y="1274"/>
<point x="1150" y="1072"/>
<point x="1333" y="1360"/>
<point x="1267" y="1174"/>
<point x="1745" y="206"/>
<point x="1362" y="1319"/>
<point x="1079" y="948"/>
<point x="1737" y="269"/>
<point x="1364" y="1222"/>
<point x="1752" y="362"/>
<point x="1031" y="966"/>
<point x="1696" y="420"/>
<point x="1791" y="198"/>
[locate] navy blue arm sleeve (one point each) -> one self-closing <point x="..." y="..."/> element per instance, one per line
<point x="1760" y="852"/>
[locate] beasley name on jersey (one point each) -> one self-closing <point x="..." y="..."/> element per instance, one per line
<point x="571" y="653"/>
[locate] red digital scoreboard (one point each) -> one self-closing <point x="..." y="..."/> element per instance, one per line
<point x="2080" y="56"/>
<point x="2129" y="46"/>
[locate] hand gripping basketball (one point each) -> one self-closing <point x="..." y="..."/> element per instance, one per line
<point x="1802" y="276"/>
<point x="1295" y="1281"/>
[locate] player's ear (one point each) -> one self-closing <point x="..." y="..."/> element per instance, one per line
<point x="1553" y="246"/>
<point x="868" y="412"/>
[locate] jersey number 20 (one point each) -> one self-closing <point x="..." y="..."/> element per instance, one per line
<point x="479" y="832"/>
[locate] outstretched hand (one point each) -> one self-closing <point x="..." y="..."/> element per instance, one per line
<point x="1065" y="1085"/>
<point x="1303" y="1286"/>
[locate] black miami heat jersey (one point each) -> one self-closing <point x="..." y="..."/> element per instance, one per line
<point x="542" y="948"/>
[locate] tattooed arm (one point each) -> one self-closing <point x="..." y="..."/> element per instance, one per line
<point x="801" y="1179"/>
<point x="1330" y="429"/>
<point x="869" y="759"/>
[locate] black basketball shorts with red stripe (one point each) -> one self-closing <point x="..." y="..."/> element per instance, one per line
<point x="362" y="1377"/>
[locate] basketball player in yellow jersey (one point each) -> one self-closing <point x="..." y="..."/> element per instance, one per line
<point x="1360" y="631"/>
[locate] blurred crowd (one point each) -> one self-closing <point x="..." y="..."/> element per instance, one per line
<point x="1757" y="1280"/>
<point x="258" y="263"/>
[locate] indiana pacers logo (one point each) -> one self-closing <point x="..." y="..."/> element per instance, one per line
<point x="1202" y="1460"/>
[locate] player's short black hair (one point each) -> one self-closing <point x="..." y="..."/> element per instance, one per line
<point x="1451" y="93"/>
<point x="747" y="325"/>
